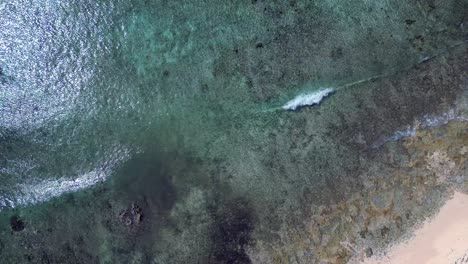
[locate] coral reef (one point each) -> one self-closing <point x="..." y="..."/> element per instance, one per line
<point x="425" y="168"/>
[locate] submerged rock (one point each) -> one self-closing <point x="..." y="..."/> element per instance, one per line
<point x="369" y="252"/>
<point x="16" y="223"/>
<point x="132" y="215"/>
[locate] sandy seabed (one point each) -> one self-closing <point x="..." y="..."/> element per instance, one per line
<point x="440" y="240"/>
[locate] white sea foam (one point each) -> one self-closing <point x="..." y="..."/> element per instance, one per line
<point x="426" y="121"/>
<point x="40" y="191"/>
<point x="307" y="99"/>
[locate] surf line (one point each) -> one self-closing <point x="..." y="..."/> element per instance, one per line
<point x="316" y="96"/>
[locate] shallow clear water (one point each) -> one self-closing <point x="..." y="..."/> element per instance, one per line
<point x="85" y="81"/>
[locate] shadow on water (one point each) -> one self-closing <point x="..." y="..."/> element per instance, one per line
<point x="157" y="181"/>
<point x="147" y="175"/>
<point x="231" y="232"/>
<point x="128" y="214"/>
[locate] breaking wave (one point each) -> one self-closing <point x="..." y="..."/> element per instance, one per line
<point x="308" y="99"/>
<point x="426" y="121"/>
<point x="41" y="191"/>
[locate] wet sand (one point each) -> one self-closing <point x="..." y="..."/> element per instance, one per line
<point x="442" y="239"/>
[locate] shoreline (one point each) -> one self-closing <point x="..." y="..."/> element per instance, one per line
<point x="440" y="239"/>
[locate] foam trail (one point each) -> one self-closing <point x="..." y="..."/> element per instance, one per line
<point x="308" y="99"/>
<point x="41" y="191"/>
<point x="426" y="121"/>
<point x="315" y="97"/>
